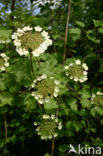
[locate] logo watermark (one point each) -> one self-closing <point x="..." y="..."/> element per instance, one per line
<point x="85" y="150"/>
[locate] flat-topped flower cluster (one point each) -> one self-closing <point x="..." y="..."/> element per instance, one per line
<point x="53" y="4"/>
<point x="77" y="71"/>
<point x="3" y="61"/>
<point x="29" y="40"/>
<point x="48" y="126"/>
<point x="44" y="88"/>
<point x="97" y="99"/>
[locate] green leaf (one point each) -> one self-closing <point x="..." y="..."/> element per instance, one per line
<point x="30" y="102"/>
<point x="93" y="39"/>
<point x="85" y="102"/>
<point x="5" y="33"/>
<point x="100" y="30"/>
<point x="72" y="103"/>
<point x="76" y="31"/>
<point x="80" y="24"/>
<point x="52" y="104"/>
<point x="6" y="98"/>
<point x="85" y="93"/>
<point x="63" y="148"/>
<point x="47" y="154"/>
<point x="97" y="23"/>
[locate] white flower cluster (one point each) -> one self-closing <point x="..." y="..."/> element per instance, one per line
<point x="3" y="61"/>
<point x="39" y="97"/>
<point x="4" y="42"/>
<point x="42" y="48"/>
<point x="48" y="126"/>
<point x="97" y="98"/>
<point x="77" y="71"/>
<point x="54" y="4"/>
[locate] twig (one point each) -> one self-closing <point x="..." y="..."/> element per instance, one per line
<point x="53" y="141"/>
<point x="5" y="125"/>
<point x="66" y="31"/>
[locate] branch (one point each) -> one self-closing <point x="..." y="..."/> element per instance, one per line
<point x="12" y="8"/>
<point x="66" y="31"/>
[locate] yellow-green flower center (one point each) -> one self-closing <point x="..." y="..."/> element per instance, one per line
<point x="47" y="127"/>
<point x="45" y="87"/>
<point x="76" y="71"/>
<point x="2" y="61"/>
<point x="98" y="100"/>
<point x="31" y="40"/>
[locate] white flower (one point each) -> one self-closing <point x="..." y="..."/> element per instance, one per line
<point x="71" y="77"/>
<point x="35" y="53"/>
<point x="56" y="120"/>
<point x="38" y="129"/>
<point x="67" y="74"/>
<point x="55" y="134"/>
<point x="78" y="62"/>
<point x="46" y="100"/>
<point x="57" y="82"/>
<point x="39" y="133"/>
<point x="55" y="94"/>
<point x="41" y="101"/>
<point x="50" y="136"/>
<point x="38" y="28"/>
<point x="46" y="116"/>
<point x="6" y="64"/>
<point x="60" y="127"/>
<point x="56" y="90"/>
<point x="42" y="137"/>
<point x="37" y="97"/>
<point x="44" y="34"/>
<point x="84" y="73"/>
<point x="35" y="123"/>
<point x="85" y="66"/>
<point x="44" y="76"/>
<point x="99" y="93"/>
<point x="93" y="95"/>
<point x="52" y="116"/>
<point x="71" y="64"/>
<point x="75" y="79"/>
<point x="2" y="68"/>
<point x="66" y="67"/>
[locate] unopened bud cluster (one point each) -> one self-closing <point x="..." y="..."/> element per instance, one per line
<point x="77" y="71"/>
<point x="44" y="88"/>
<point x="48" y="126"/>
<point x="97" y="99"/>
<point x="3" y="61"/>
<point x="31" y="40"/>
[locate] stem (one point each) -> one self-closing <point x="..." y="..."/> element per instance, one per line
<point x="38" y="62"/>
<point x="5" y="125"/>
<point x="53" y="141"/>
<point x="66" y="31"/>
<point x="31" y="62"/>
<point x="53" y="146"/>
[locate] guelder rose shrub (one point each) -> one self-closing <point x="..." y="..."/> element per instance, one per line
<point x="50" y="100"/>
